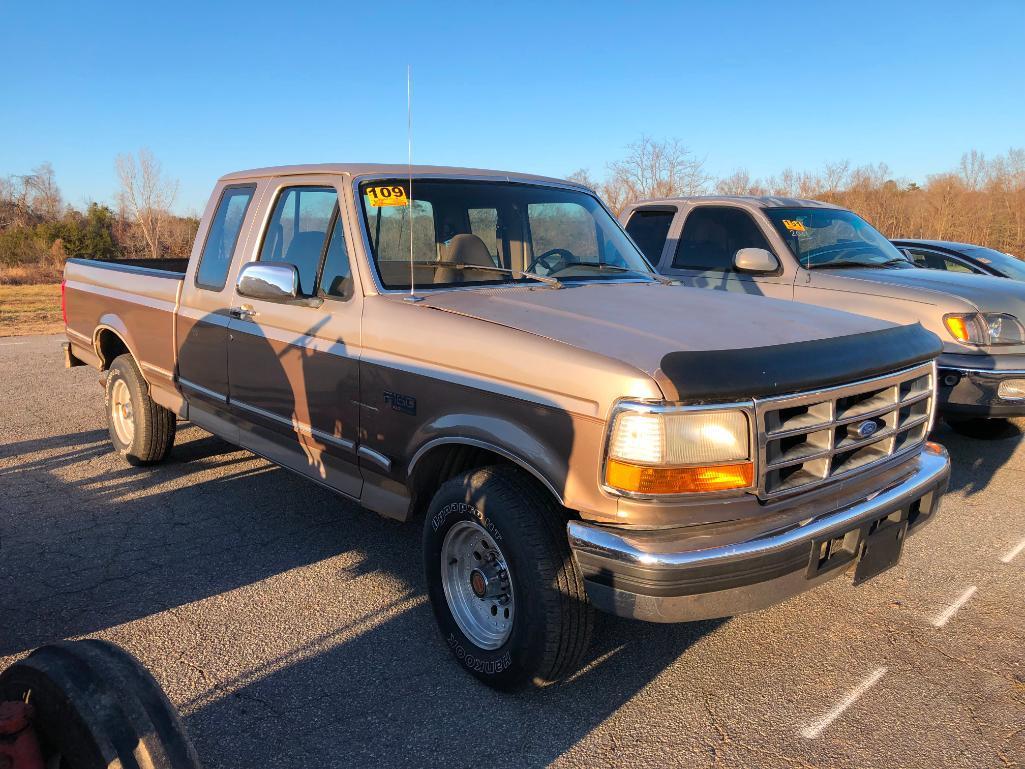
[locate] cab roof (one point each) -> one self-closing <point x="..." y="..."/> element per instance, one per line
<point x="751" y="201"/>
<point x="393" y="169"/>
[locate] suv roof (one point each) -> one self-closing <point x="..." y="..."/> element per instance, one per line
<point x="752" y="201"/>
<point x="391" y="169"/>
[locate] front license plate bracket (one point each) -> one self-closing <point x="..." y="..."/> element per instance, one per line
<point x="880" y="549"/>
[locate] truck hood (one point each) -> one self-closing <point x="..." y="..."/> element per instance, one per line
<point x="672" y="332"/>
<point x="987" y="292"/>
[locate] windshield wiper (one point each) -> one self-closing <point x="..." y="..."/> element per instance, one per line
<point x="843" y="265"/>
<point x="553" y="282"/>
<point x="616" y="268"/>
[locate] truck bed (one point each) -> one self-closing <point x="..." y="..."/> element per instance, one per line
<point x="129" y="301"/>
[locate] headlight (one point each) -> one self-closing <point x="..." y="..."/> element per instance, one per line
<point x="985" y="328"/>
<point x="667" y="450"/>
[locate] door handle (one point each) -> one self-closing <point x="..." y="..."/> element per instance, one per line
<point x="242" y="313"/>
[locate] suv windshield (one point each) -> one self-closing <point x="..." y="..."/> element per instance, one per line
<point x="1009" y="265"/>
<point x="834" y="238"/>
<point x="477" y="232"/>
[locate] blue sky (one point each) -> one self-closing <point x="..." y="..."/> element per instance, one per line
<point x="543" y="87"/>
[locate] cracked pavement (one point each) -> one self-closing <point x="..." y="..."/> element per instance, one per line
<point x="292" y="630"/>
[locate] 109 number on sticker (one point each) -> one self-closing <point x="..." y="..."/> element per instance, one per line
<point x="386" y="195"/>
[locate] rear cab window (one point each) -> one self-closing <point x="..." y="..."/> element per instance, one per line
<point x="650" y="228"/>
<point x="222" y="237"/>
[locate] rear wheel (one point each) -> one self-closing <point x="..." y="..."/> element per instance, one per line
<point x="505" y="590"/>
<point x="96" y="706"/>
<point x="983" y="429"/>
<point x="141" y="430"/>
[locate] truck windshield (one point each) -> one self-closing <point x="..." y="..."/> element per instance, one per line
<point x="830" y="238"/>
<point x="487" y="233"/>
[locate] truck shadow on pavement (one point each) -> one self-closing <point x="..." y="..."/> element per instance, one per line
<point x="379" y="690"/>
<point x="974" y="462"/>
<point x="89" y="542"/>
<point x="391" y="696"/>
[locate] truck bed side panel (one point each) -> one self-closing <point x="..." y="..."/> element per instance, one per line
<point x="137" y="304"/>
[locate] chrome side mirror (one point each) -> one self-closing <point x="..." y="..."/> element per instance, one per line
<point x="272" y="282"/>
<point x="755" y="260"/>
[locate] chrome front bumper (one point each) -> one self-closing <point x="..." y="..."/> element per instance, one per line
<point x="667" y="576"/>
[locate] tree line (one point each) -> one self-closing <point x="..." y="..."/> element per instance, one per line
<point x="981" y="201"/>
<point x="39" y="230"/>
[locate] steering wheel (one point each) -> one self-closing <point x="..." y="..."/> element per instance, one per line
<point x="546" y="259"/>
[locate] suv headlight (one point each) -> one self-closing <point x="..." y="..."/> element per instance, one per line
<point x="985" y="328"/>
<point x="665" y="449"/>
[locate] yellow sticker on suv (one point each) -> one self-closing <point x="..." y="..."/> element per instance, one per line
<point x="793" y="225"/>
<point x="386" y="195"/>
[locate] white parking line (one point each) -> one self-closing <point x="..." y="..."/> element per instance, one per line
<point x="11" y="344"/>
<point x="814" y="730"/>
<point x="1013" y="552"/>
<point x="951" y="610"/>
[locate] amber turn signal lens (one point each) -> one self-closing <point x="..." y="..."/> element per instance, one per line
<point x="958" y="326"/>
<point x="677" y="480"/>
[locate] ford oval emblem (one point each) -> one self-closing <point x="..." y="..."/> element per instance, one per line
<point x="867" y="428"/>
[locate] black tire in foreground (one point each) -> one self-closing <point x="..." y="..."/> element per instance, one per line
<point x="97" y="706"/>
<point x="141" y="430"/>
<point x="505" y="590"/>
<point x="983" y="429"/>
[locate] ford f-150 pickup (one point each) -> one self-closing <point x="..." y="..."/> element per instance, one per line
<point x="490" y="353"/>
<point x="818" y="253"/>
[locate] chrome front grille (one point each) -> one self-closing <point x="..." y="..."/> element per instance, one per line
<point x="812" y="438"/>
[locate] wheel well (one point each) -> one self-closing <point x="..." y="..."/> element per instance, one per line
<point x="109" y="345"/>
<point x="447" y="461"/>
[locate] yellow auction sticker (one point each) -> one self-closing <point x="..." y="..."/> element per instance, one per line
<point x="793" y="225"/>
<point x="386" y="195"/>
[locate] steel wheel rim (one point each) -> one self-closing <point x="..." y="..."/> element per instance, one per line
<point x="471" y="561"/>
<point x="121" y="414"/>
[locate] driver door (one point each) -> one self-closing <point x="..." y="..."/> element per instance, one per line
<point x="293" y="365"/>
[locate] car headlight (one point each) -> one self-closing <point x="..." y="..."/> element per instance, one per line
<point x="665" y="449"/>
<point x="985" y="328"/>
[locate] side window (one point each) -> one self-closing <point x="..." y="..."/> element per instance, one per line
<point x="936" y="261"/>
<point x="297" y="231"/>
<point x="222" y="237"/>
<point x="649" y="229"/>
<point x="484" y="224"/>
<point x="336" y="276"/>
<point x="711" y="236"/>
<point x="566" y="226"/>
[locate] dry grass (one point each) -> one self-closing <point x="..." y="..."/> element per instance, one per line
<point x="33" y="309"/>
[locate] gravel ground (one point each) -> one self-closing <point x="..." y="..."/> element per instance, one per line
<point x="292" y="630"/>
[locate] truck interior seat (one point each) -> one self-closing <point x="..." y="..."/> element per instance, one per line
<point x="304" y="253"/>
<point x="465" y="248"/>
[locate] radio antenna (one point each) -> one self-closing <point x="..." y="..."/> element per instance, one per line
<point x="409" y="167"/>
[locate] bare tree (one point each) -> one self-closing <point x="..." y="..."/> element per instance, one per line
<point x="973" y="170"/>
<point x="42" y="194"/>
<point x="654" y="169"/>
<point x="146" y="195"/>
<point x="738" y="183"/>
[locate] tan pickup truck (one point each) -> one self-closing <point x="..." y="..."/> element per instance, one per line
<point x="491" y="353"/>
<point x="818" y="253"/>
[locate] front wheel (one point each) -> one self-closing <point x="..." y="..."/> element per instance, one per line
<point x="506" y="593"/>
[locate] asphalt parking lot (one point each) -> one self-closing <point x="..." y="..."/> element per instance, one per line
<point x="292" y="630"/>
